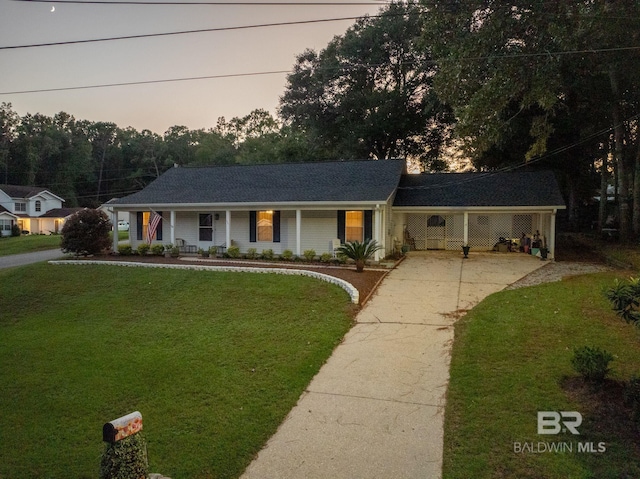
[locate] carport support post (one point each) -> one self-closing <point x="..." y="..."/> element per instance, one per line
<point x="465" y="235"/>
<point x="552" y="235"/>
<point x="377" y="232"/>
<point x="114" y="222"/>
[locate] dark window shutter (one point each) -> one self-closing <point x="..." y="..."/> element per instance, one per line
<point x="342" y="227"/>
<point x="276" y="226"/>
<point x="368" y="224"/>
<point x="252" y="226"/>
<point x="159" y="228"/>
<point x="139" y="225"/>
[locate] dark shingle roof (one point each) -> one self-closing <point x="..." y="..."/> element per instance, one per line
<point x="15" y="191"/>
<point x="61" y="212"/>
<point x="364" y="180"/>
<point x="522" y="188"/>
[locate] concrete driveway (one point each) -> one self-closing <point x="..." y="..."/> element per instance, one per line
<point x="28" y="258"/>
<point x="376" y="408"/>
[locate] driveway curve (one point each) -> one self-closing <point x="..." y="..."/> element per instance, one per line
<point x="376" y="408"/>
<point x="27" y="258"/>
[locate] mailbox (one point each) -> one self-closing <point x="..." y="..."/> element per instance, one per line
<point x="122" y="427"/>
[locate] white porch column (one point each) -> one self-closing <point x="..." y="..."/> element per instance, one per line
<point x="172" y="227"/>
<point x="227" y="228"/>
<point x="465" y="239"/>
<point x="552" y="235"/>
<point x="298" y="232"/>
<point x="114" y="222"/>
<point x="377" y="232"/>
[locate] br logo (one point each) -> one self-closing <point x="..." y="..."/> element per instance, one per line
<point x="554" y="422"/>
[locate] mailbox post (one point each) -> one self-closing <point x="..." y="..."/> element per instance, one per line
<point x="125" y="455"/>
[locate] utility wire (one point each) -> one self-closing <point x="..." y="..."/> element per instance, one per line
<point x="145" y="82"/>
<point x="281" y="72"/>
<point x="184" y="32"/>
<point x="229" y="3"/>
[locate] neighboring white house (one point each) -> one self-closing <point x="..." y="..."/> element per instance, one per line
<point x="301" y="206"/>
<point x="34" y="210"/>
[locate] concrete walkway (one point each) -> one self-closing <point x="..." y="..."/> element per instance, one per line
<point x="376" y="408"/>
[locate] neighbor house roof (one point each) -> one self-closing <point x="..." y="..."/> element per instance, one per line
<point x="16" y="191"/>
<point x="60" y="212"/>
<point x="521" y="188"/>
<point x="339" y="181"/>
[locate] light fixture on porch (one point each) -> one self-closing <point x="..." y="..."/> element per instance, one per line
<point x="216" y="216"/>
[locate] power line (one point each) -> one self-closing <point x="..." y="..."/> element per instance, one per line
<point x="145" y="82"/>
<point x="281" y="72"/>
<point x="229" y="3"/>
<point x="184" y="32"/>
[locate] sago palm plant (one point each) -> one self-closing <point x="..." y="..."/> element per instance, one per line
<point x="359" y="252"/>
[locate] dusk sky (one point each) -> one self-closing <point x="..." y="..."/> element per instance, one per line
<point x="195" y="104"/>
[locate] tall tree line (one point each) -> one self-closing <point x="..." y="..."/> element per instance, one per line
<point x="88" y="163"/>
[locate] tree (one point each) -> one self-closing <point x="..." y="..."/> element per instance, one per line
<point x="9" y="121"/>
<point x="547" y="83"/>
<point x="86" y="232"/>
<point x="359" y="252"/>
<point x="368" y="93"/>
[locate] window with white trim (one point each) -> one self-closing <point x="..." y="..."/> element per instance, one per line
<point x="38" y="206"/>
<point x="20" y="207"/>
<point x="354" y="226"/>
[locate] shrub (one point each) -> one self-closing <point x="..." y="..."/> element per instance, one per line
<point x="125" y="250"/>
<point x="157" y="249"/>
<point x="287" y="255"/>
<point x="624" y="297"/>
<point x="143" y="249"/>
<point x="252" y="253"/>
<point x="326" y="257"/>
<point x="359" y="252"/>
<point x="309" y="254"/>
<point x="86" y="232"/>
<point x="267" y="254"/>
<point x="125" y="459"/>
<point x="15" y="230"/>
<point x="591" y="363"/>
<point x="233" y="252"/>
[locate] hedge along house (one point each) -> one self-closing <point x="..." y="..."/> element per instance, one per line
<point x="304" y="206"/>
<point x="295" y="206"/>
<point x="449" y="210"/>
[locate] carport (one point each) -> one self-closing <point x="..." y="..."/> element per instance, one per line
<point x="448" y="210"/>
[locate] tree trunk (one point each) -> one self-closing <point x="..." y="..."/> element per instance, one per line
<point x="636" y="193"/>
<point x="618" y="136"/>
<point x="604" y="197"/>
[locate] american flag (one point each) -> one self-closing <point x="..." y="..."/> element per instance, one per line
<point x="154" y="221"/>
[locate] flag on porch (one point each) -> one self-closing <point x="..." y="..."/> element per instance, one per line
<point x="154" y="221"/>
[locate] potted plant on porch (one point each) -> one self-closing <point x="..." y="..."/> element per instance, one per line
<point x="359" y="252"/>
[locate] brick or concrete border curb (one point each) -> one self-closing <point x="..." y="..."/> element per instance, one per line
<point x="348" y="287"/>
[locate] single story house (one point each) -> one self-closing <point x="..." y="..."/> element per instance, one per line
<point x="303" y="206"/>
<point x="34" y="209"/>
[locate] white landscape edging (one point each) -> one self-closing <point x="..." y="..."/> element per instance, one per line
<point x="348" y="287"/>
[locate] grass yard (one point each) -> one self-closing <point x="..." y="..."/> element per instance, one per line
<point x="28" y="244"/>
<point x="512" y="358"/>
<point x="213" y="361"/>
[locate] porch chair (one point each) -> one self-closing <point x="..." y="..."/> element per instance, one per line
<point x="409" y="240"/>
<point x="334" y="245"/>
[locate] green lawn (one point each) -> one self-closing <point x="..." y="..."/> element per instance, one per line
<point x="213" y="361"/>
<point x="31" y="243"/>
<point x="28" y="244"/>
<point x="511" y="359"/>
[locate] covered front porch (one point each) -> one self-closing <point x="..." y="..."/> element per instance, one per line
<point x="278" y="229"/>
